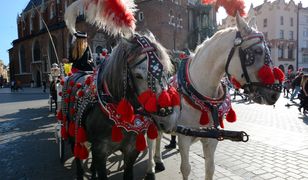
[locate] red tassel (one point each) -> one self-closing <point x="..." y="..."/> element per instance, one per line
<point x="60" y="93"/>
<point x="116" y="134"/>
<point x="62" y="82"/>
<point x="221" y="122"/>
<point x="72" y="83"/>
<point x="204" y="119"/>
<point x="70" y="74"/>
<point x="140" y="142"/>
<point x="73" y="99"/>
<point x="60" y="115"/>
<point x="88" y="80"/>
<point x="126" y="110"/>
<point x="64" y="134"/>
<point x="69" y="91"/>
<point x="77" y="149"/>
<point x="71" y="129"/>
<point x="78" y="85"/>
<point x="83" y="153"/>
<point x="81" y="135"/>
<point x="152" y="131"/>
<point x="145" y="96"/>
<point x="235" y="83"/>
<point x="279" y="75"/>
<point x="164" y="99"/>
<point x="72" y="111"/>
<point x="175" y="97"/>
<point x="80" y="93"/>
<point x="66" y="100"/>
<point x="151" y="104"/>
<point x="231" y="116"/>
<point x="266" y="75"/>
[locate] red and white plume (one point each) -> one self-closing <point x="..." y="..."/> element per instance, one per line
<point x="114" y="16"/>
<point x="231" y="6"/>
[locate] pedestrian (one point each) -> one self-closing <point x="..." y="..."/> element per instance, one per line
<point x="296" y="85"/>
<point x="44" y="86"/>
<point x="80" y="54"/>
<point x="12" y="86"/>
<point x="303" y="96"/>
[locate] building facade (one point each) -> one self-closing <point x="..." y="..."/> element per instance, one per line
<point x="278" y="22"/>
<point x="303" y="37"/>
<point x="4" y="74"/>
<point x="177" y="24"/>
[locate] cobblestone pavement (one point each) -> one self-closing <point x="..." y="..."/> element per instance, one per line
<point x="277" y="149"/>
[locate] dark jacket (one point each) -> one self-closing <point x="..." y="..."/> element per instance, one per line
<point x="82" y="63"/>
<point x="297" y="81"/>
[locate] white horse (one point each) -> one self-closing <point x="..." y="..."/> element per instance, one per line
<point x="242" y="54"/>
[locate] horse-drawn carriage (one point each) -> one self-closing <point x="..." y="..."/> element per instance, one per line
<point x="54" y="79"/>
<point x="128" y="95"/>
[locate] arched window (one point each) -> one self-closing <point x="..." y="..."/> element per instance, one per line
<point x="22" y="59"/>
<point x="52" y="54"/>
<point x="290" y="52"/>
<point x="52" y="10"/>
<point x="36" y="51"/>
<point x="280" y="51"/>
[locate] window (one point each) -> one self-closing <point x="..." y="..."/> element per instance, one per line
<point x="264" y="22"/>
<point x="305" y="32"/>
<point x="52" y="11"/>
<point x="281" y="20"/>
<point x="290" y="52"/>
<point x="22" y="60"/>
<point x="305" y="44"/>
<point x="36" y="51"/>
<point x="280" y="52"/>
<point x="305" y="58"/>
<point x="171" y="18"/>
<point x="31" y="25"/>
<point x="140" y="16"/>
<point x="291" y="35"/>
<point x="281" y="34"/>
<point x="41" y="23"/>
<point x="291" y="21"/>
<point x="306" y="19"/>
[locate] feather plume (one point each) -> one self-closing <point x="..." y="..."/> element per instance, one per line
<point x="70" y="15"/>
<point x="231" y="6"/>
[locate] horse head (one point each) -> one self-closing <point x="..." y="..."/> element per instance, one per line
<point x="139" y="69"/>
<point x="250" y="56"/>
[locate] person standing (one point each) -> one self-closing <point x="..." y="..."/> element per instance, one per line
<point x="296" y="85"/>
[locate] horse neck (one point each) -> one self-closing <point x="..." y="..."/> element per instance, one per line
<point x="208" y="65"/>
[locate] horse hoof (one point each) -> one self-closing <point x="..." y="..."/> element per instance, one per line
<point x="149" y="176"/>
<point x="159" y="167"/>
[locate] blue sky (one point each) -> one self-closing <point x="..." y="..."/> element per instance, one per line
<point x="10" y="9"/>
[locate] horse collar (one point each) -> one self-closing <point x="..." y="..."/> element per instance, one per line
<point x="217" y="106"/>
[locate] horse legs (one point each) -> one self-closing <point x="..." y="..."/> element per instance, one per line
<point x="184" y="146"/>
<point x="129" y="161"/>
<point x="150" y="173"/>
<point x="79" y="169"/>
<point x="209" y="147"/>
<point x="93" y="169"/>
<point x="99" y="159"/>
<point x="159" y="163"/>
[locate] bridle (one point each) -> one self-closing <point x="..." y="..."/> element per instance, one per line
<point x="247" y="58"/>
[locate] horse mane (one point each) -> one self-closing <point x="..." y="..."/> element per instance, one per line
<point x="127" y="48"/>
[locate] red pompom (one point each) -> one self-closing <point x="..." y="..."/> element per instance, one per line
<point x="69" y="91"/>
<point x="78" y="85"/>
<point x="221" y="122"/>
<point x="70" y="74"/>
<point x="140" y="142"/>
<point x="88" y="80"/>
<point x="126" y="111"/>
<point x="182" y="56"/>
<point x="73" y="99"/>
<point x="72" y="111"/>
<point x="81" y="135"/>
<point x="60" y="93"/>
<point x="80" y="93"/>
<point x="116" y="134"/>
<point x="60" y="115"/>
<point x="71" y="129"/>
<point x="175" y="97"/>
<point x="83" y="153"/>
<point x="231" y="116"/>
<point x="66" y="100"/>
<point x="164" y="99"/>
<point x="62" y="82"/>
<point x="104" y="53"/>
<point x="152" y="131"/>
<point x="204" y="118"/>
<point x="145" y="96"/>
<point x="266" y="75"/>
<point x="279" y="75"/>
<point x="72" y="83"/>
<point x="151" y="104"/>
<point x="64" y="134"/>
<point x="235" y="83"/>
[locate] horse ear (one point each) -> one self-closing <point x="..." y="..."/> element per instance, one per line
<point x="242" y="26"/>
<point x="253" y="23"/>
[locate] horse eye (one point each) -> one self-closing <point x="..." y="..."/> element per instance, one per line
<point x="139" y="76"/>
